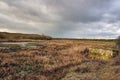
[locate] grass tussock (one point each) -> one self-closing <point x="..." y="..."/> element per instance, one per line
<point x="56" y="60"/>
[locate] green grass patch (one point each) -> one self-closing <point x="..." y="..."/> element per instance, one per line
<point x="100" y="54"/>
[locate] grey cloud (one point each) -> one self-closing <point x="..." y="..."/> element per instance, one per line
<point x="62" y="18"/>
<point x="80" y="10"/>
<point x="69" y="10"/>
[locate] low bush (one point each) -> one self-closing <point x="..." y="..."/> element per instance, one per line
<point x="118" y="42"/>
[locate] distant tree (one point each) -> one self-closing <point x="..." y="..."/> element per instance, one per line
<point x="118" y="42"/>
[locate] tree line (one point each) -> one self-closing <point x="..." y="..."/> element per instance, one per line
<point x="6" y="35"/>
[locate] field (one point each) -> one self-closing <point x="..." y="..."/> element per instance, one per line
<point x="57" y="60"/>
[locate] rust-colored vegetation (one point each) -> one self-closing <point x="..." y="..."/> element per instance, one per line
<point x="58" y="60"/>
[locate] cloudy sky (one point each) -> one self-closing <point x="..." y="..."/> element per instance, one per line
<point x="62" y="18"/>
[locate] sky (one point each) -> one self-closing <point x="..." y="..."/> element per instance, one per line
<point x="98" y="19"/>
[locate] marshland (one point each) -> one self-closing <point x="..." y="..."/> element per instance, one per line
<point x="59" y="60"/>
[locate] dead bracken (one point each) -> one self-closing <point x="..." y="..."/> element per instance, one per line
<point x="59" y="60"/>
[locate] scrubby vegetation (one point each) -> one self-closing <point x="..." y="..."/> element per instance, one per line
<point x="58" y="60"/>
<point x="100" y="54"/>
<point x="18" y="36"/>
<point x="118" y="42"/>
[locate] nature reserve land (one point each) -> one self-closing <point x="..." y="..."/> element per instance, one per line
<point x="58" y="60"/>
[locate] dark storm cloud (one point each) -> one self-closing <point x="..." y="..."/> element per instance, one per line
<point x="62" y="18"/>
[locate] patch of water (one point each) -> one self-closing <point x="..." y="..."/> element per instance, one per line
<point x="22" y="44"/>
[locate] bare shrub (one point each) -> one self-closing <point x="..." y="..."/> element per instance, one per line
<point x="118" y="42"/>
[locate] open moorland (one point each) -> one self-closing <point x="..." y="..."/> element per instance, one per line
<point x="59" y="60"/>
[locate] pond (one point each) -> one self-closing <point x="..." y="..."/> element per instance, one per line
<point x="22" y="44"/>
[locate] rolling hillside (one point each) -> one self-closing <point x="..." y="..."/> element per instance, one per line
<point x="11" y="36"/>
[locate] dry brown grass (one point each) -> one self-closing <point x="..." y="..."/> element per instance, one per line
<point x="51" y="61"/>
